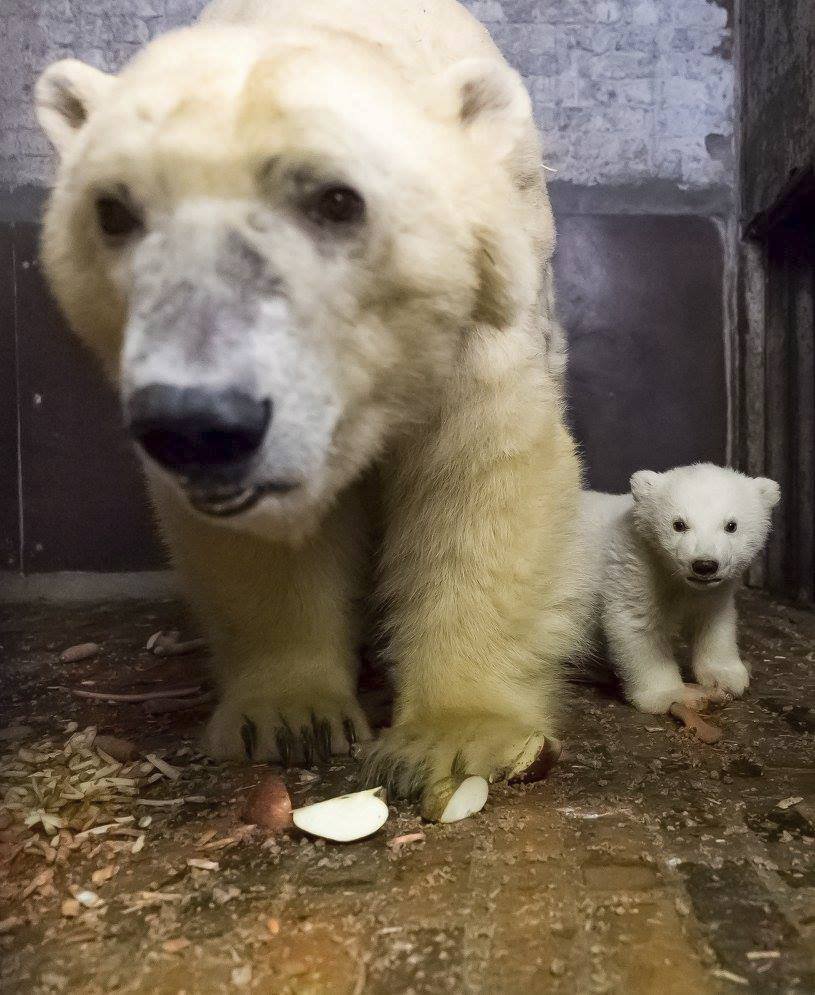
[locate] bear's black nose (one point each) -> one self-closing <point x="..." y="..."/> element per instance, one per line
<point x="705" y="567"/>
<point x="197" y="432"/>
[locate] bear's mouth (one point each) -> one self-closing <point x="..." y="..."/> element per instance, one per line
<point x="705" y="581"/>
<point x="228" y="501"/>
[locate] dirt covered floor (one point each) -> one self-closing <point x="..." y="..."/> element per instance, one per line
<point x="647" y="862"/>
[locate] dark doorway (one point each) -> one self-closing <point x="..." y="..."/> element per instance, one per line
<point x="778" y="380"/>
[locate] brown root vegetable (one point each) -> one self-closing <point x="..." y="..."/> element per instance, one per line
<point x="542" y="765"/>
<point x="82" y="651"/>
<point x="704" y="731"/>
<point x="269" y="805"/>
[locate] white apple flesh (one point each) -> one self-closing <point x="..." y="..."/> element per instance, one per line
<point x="344" y="819"/>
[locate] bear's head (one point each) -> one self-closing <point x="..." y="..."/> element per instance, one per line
<point x="276" y="249"/>
<point x="707" y="522"/>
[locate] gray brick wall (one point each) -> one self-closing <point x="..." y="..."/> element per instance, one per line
<point x="34" y="33"/>
<point x="625" y="91"/>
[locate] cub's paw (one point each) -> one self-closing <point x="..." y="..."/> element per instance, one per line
<point x="291" y="731"/>
<point x="658" y="700"/>
<point x="730" y="678"/>
<point x="413" y="756"/>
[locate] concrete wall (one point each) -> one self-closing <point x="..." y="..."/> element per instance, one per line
<point x="635" y="102"/>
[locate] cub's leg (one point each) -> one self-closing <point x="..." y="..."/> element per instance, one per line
<point x="481" y="580"/>
<point x="283" y="631"/>
<point x="716" y="660"/>
<point x="643" y="659"/>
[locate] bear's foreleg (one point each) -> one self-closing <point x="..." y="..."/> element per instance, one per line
<point x="481" y="579"/>
<point x="283" y="633"/>
<point x="643" y="659"/>
<point x="716" y="660"/>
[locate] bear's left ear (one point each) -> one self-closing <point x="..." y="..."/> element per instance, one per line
<point x="769" y="490"/>
<point x="65" y="96"/>
<point x="643" y="483"/>
<point x="488" y="100"/>
<point x="491" y="102"/>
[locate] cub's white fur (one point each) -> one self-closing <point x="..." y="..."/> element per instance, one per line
<point x="405" y="358"/>
<point x="644" y="546"/>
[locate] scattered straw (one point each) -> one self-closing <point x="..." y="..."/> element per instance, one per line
<point x="76" y="791"/>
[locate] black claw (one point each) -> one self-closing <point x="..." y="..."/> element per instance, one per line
<point x="350" y="731"/>
<point x="249" y="735"/>
<point x="307" y="741"/>
<point x="322" y="736"/>
<point x="284" y="738"/>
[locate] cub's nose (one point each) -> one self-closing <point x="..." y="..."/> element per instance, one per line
<point x="705" y="567"/>
<point x="195" y="431"/>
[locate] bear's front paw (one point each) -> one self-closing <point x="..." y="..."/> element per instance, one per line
<point x="730" y="677"/>
<point x="413" y="756"/>
<point x="284" y="729"/>
<point x="658" y="700"/>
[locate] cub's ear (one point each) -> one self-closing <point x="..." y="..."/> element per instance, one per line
<point x="65" y="96"/>
<point x="490" y="100"/>
<point x="643" y="483"/>
<point x="769" y="490"/>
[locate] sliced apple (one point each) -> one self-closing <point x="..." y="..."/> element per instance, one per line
<point x="346" y="818"/>
<point x="542" y="765"/>
<point x="450" y="800"/>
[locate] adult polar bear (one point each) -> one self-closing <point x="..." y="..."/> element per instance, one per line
<point x="310" y="239"/>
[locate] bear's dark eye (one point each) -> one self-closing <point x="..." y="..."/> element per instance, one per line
<point x="117" y="219"/>
<point x="730" y="526"/>
<point x="680" y="525"/>
<point x="336" y="205"/>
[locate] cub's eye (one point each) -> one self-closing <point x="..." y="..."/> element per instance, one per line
<point x="731" y="526"/>
<point x="336" y="205"/>
<point x="116" y="219"/>
<point x="680" y="525"/>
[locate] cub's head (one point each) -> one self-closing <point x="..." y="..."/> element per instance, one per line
<point x="706" y="521"/>
<point x="277" y="251"/>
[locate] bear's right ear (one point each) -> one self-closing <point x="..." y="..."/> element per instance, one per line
<point x="769" y="490"/>
<point x="643" y="483"/>
<point x="65" y="96"/>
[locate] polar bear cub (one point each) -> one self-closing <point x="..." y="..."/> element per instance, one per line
<point x="668" y="557"/>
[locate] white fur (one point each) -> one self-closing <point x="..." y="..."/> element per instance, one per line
<point x="413" y="400"/>
<point x="645" y="588"/>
